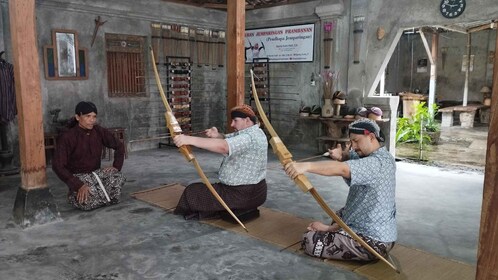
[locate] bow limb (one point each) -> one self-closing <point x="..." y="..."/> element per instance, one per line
<point x="175" y="129"/>
<point x="284" y="156"/>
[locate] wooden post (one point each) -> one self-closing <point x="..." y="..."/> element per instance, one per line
<point x="236" y="19"/>
<point x="34" y="203"/>
<point x="467" y="70"/>
<point x="433" y="78"/>
<point x="487" y="252"/>
<point x="432" y="54"/>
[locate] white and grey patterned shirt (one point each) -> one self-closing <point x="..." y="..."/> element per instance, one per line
<point x="370" y="207"/>
<point x="246" y="161"/>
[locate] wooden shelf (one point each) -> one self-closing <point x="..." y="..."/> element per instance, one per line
<point x="328" y="138"/>
<point x="336" y="128"/>
<point x="332" y="119"/>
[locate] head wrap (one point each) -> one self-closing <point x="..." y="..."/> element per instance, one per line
<point x="85" y="107"/>
<point x="243" y="111"/>
<point x="365" y="127"/>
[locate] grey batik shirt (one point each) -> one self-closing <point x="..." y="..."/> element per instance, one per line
<point x="246" y="161"/>
<point x="370" y="207"/>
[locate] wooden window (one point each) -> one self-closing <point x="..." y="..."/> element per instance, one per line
<point x="125" y="65"/>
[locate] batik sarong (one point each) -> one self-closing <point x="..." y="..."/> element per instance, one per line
<point x="340" y="245"/>
<point x="103" y="193"/>
<point x="197" y="202"/>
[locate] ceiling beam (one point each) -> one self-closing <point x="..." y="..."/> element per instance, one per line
<point x="452" y="28"/>
<point x="491" y="25"/>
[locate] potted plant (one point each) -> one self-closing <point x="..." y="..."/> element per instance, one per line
<point x="421" y="127"/>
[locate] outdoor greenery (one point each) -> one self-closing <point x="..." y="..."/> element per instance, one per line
<point x="421" y="127"/>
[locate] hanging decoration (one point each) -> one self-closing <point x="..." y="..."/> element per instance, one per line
<point x="213" y="49"/>
<point x="183" y="43"/>
<point x="156" y="39"/>
<point x="328" y="44"/>
<point x="203" y="46"/>
<point x="168" y="42"/>
<point x="221" y="48"/>
<point x="357" y="35"/>
<point x="380" y="33"/>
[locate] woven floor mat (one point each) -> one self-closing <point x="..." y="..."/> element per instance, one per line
<point x="285" y="231"/>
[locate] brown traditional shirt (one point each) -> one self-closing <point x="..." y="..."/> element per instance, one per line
<point x="79" y="150"/>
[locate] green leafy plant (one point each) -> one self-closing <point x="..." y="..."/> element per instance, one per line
<point x="420" y="127"/>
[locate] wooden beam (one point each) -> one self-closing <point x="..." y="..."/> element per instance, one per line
<point x="426" y="46"/>
<point x="452" y="28"/>
<point x="491" y="25"/>
<point x="487" y="252"/>
<point x="236" y="24"/>
<point x="28" y="93"/>
<point x="214" y="6"/>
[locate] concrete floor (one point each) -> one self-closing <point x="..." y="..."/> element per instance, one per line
<point x="438" y="212"/>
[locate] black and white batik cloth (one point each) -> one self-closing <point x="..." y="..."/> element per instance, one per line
<point x="105" y="189"/>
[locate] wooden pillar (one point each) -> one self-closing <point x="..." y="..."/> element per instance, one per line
<point x="487" y="253"/>
<point x="34" y="203"/>
<point x="236" y="26"/>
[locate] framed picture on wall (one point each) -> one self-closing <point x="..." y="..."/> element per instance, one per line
<point x="64" y="60"/>
<point x="66" y="54"/>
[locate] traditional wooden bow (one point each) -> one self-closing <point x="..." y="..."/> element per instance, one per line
<point x="284" y="156"/>
<point x="175" y="129"/>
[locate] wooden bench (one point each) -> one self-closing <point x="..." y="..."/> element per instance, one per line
<point x="467" y="115"/>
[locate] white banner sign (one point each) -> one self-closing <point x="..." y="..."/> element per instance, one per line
<point x="281" y="44"/>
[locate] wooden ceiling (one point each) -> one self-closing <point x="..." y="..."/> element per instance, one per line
<point x="250" y="4"/>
